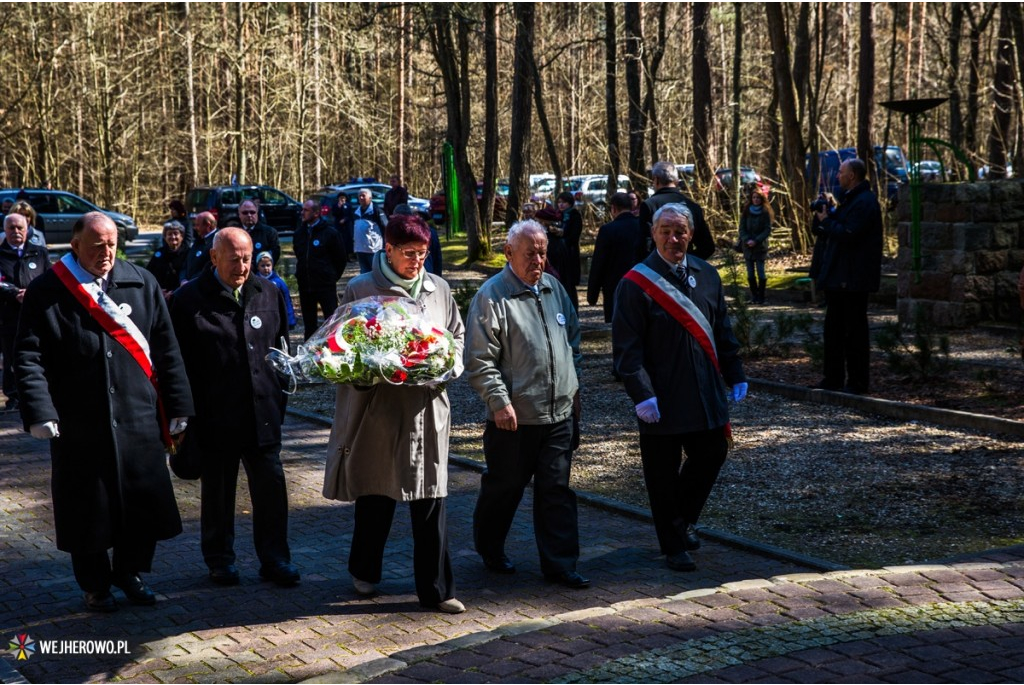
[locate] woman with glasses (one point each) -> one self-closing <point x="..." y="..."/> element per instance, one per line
<point x="389" y="443"/>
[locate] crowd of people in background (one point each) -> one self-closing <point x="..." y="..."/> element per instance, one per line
<point x="114" y="365"/>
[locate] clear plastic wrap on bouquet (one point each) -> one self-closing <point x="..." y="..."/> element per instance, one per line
<point x="373" y="340"/>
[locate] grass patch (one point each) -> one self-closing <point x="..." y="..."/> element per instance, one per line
<point x="455" y="249"/>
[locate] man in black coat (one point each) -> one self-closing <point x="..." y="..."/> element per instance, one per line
<point x="319" y="262"/>
<point x="665" y="177"/>
<point x="103" y="402"/>
<point x="264" y="236"/>
<point x="674" y="348"/>
<point x="199" y="252"/>
<point x="850" y="269"/>
<point x="227" y="320"/>
<point x="614" y="252"/>
<point x="398" y="195"/>
<point x="20" y="263"/>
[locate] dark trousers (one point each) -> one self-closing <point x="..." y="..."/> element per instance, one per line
<point x="847" y="341"/>
<point x="513" y="457"/>
<point x="93" y="570"/>
<point x="365" y="260"/>
<point x="7" y="349"/>
<point x="269" y="496"/>
<point x="324" y="297"/>
<point x="432" y="567"/>
<point x="678" y="494"/>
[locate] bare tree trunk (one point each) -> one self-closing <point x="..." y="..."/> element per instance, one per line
<point x="403" y="66"/>
<point x="1002" y="97"/>
<point x="737" y="92"/>
<point x="866" y="79"/>
<point x="956" y="122"/>
<point x="318" y="171"/>
<point x="651" y="77"/>
<point x="637" y="125"/>
<point x="545" y="127"/>
<point x="610" y="106"/>
<point x="522" y="89"/>
<point x="974" y="75"/>
<point x="802" y="58"/>
<point x="238" y="146"/>
<point x="703" y="118"/>
<point x="792" y="140"/>
<point x="490" y="120"/>
<point x="1017" y="23"/>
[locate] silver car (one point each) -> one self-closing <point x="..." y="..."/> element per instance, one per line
<point x="57" y="211"/>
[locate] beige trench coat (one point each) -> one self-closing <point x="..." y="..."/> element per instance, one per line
<point x="393" y="440"/>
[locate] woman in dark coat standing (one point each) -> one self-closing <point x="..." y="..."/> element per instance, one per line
<point x="755" y="229"/>
<point x="86" y="393"/>
<point x="168" y="262"/>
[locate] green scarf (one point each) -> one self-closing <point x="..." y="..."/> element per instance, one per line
<point x="410" y="285"/>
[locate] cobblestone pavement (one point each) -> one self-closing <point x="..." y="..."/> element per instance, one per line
<point x="741" y="617"/>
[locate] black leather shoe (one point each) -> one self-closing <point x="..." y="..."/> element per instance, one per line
<point x="681" y="561"/>
<point x="282" y="574"/>
<point x="570" y="579"/>
<point x="826" y="385"/>
<point x="100" y="601"/>
<point x="499" y="564"/>
<point x="224" y="575"/>
<point x="690" y="538"/>
<point x="134" y="589"/>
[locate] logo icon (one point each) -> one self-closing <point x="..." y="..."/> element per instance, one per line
<point x="22" y="647"/>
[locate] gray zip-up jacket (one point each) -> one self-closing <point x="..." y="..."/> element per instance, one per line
<point x="523" y="349"/>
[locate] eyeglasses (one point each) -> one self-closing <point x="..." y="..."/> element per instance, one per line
<point x="412" y="254"/>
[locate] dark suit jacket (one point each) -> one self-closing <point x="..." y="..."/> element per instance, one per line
<point x="618" y="242"/>
<point x="703" y="243"/>
<point x="224" y="344"/>
<point x="264" y="239"/>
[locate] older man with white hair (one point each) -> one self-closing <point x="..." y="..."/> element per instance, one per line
<point x="674" y="348"/>
<point x="522" y="357"/>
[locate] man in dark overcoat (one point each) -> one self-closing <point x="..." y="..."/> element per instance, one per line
<point x="227" y="320"/>
<point x="618" y="242"/>
<point x="92" y="396"/>
<point x="319" y="263"/>
<point x="264" y="236"/>
<point x="665" y="178"/>
<point x="199" y="251"/>
<point x="674" y="348"/>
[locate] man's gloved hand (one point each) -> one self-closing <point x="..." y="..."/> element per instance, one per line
<point x="45" y="431"/>
<point x="738" y="392"/>
<point x="647" y="410"/>
<point x="178" y="426"/>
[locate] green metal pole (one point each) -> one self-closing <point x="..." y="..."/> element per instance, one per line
<point x="451" y="190"/>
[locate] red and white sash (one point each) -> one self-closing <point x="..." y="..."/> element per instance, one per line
<point x="115" y="322"/>
<point x="682" y="309"/>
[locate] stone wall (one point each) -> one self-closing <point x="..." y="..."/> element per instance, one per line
<point x="972" y="250"/>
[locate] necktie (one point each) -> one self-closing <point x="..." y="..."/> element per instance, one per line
<point x="237" y="293"/>
<point x="681" y="271"/>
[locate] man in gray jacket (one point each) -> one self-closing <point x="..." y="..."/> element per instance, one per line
<point x="522" y="357"/>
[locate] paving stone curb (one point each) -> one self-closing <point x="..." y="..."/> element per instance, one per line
<point x="904" y="411"/>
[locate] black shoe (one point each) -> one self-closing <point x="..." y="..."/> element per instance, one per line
<point x="224" y="575"/>
<point x="825" y="385"/>
<point x="282" y="573"/>
<point x="499" y="564"/>
<point x="134" y="589"/>
<point x="854" y="390"/>
<point x="12" y="405"/>
<point x="100" y="601"/>
<point x="681" y="561"/>
<point x="690" y="539"/>
<point x="570" y="579"/>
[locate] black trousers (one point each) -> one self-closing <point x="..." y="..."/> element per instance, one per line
<point x="847" y="341"/>
<point x="679" y="489"/>
<point x="513" y="457"/>
<point x="432" y="566"/>
<point x="269" y="494"/>
<point x="7" y="334"/>
<point x="93" y="570"/>
<point x="324" y="297"/>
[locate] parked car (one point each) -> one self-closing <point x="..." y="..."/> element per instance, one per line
<point x="930" y="170"/>
<point x="276" y="207"/>
<point x="438" y="205"/>
<point x="57" y="211"/>
<point x="592" y="189"/>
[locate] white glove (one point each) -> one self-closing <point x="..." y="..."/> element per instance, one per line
<point x="45" y="431"/>
<point x="178" y="426"/>
<point x="648" y="410"/>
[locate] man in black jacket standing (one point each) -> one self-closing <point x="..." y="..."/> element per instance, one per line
<point x="319" y="262"/>
<point x="264" y="236"/>
<point x="199" y="252"/>
<point x="614" y="253"/>
<point x="850" y="269"/>
<point x="226" y="321"/>
<point x="665" y="177"/>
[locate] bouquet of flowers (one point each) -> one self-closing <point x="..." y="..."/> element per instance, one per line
<point x="373" y="340"/>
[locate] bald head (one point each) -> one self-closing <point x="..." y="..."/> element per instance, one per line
<point x="94" y="242"/>
<point x="231" y="256"/>
<point x="205" y="224"/>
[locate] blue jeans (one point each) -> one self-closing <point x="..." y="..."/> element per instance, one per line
<point x="755" y="283"/>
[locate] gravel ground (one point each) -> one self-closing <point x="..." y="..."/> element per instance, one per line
<point x="850" y="488"/>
